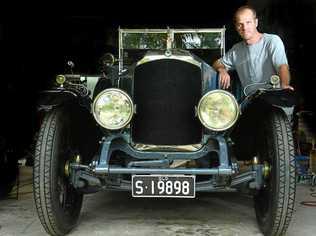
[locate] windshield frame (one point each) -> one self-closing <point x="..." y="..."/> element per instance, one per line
<point x="170" y="38"/>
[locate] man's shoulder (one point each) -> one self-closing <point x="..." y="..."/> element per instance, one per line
<point x="272" y="38"/>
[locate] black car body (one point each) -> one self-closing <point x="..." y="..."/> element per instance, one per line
<point x="156" y="123"/>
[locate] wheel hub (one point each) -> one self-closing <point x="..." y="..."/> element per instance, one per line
<point x="76" y="159"/>
<point x="266" y="170"/>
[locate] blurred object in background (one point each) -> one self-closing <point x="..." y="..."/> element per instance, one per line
<point x="305" y="137"/>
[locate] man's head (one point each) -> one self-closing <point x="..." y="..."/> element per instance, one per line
<point x="246" y="22"/>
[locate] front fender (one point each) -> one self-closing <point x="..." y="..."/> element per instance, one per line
<point x="50" y="99"/>
<point x="283" y="98"/>
<point x="254" y="111"/>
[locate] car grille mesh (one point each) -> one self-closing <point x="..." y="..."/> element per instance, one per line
<point x="165" y="93"/>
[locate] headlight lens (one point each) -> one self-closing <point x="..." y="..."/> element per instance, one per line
<point x="218" y="110"/>
<point x="113" y="109"/>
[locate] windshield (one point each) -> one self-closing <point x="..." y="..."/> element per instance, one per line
<point x="197" y="40"/>
<point x="144" y="40"/>
<point x="133" y="43"/>
<point x="137" y="39"/>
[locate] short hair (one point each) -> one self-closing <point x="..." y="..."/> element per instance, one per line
<point x="242" y="8"/>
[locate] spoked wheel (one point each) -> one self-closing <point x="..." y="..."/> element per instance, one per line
<point x="58" y="204"/>
<point x="274" y="203"/>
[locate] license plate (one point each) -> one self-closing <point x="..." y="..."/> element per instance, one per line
<point x="176" y="186"/>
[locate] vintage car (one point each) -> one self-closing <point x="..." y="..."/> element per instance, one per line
<point x="156" y="123"/>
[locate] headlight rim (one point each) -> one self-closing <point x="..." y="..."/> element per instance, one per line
<point x="128" y="98"/>
<point x="234" y="103"/>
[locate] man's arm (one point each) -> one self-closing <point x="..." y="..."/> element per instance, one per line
<point x="224" y="77"/>
<point x="284" y="74"/>
<point x="280" y="62"/>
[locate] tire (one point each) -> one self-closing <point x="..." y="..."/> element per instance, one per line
<point x="274" y="203"/>
<point x="58" y="204"/>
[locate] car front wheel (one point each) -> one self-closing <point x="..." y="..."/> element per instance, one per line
<point x="58" y="204"/>
<point x="274" y="203"/>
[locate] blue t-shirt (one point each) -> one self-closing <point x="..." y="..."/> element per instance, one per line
<point x="257" y="62"/>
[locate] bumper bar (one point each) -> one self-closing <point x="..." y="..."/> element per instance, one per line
<point x="117" y="170"/>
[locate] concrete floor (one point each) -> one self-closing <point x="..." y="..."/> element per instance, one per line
<point x="117" y="213"/>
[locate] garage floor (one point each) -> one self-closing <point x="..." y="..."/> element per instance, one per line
<point x="117" y="213"/>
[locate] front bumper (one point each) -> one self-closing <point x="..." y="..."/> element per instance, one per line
<point x="100" y="174"/>
<point x="216" y="145"/>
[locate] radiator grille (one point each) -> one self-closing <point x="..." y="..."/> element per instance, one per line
<point x="166" y="92"/>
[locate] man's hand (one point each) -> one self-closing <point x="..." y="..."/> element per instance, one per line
<point x="224" y="78"/>
<point x="287" y="87"/>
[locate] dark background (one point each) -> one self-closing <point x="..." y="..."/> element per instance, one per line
<point x="35" y="44"/>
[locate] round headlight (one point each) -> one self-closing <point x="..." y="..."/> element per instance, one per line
<point x="218" y="110"/>
<point x="113" y="109"/>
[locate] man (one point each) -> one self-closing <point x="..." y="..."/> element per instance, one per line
<point x="256" y="58"/>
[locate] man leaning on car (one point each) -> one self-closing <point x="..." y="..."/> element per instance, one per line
<point x="257" y="57"/>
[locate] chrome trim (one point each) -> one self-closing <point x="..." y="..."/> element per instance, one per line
<point x="223" y="41"/>
<point x="176" y="148"/>
<point x="169" y="39"/>
<point x="120" y="91"/>
<point x="151" y="58"/>
<point x="233" y="100"/>
<point x="168" y="53"/>
<point x="194" y="171"/>
<point x="120" y="49"/>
